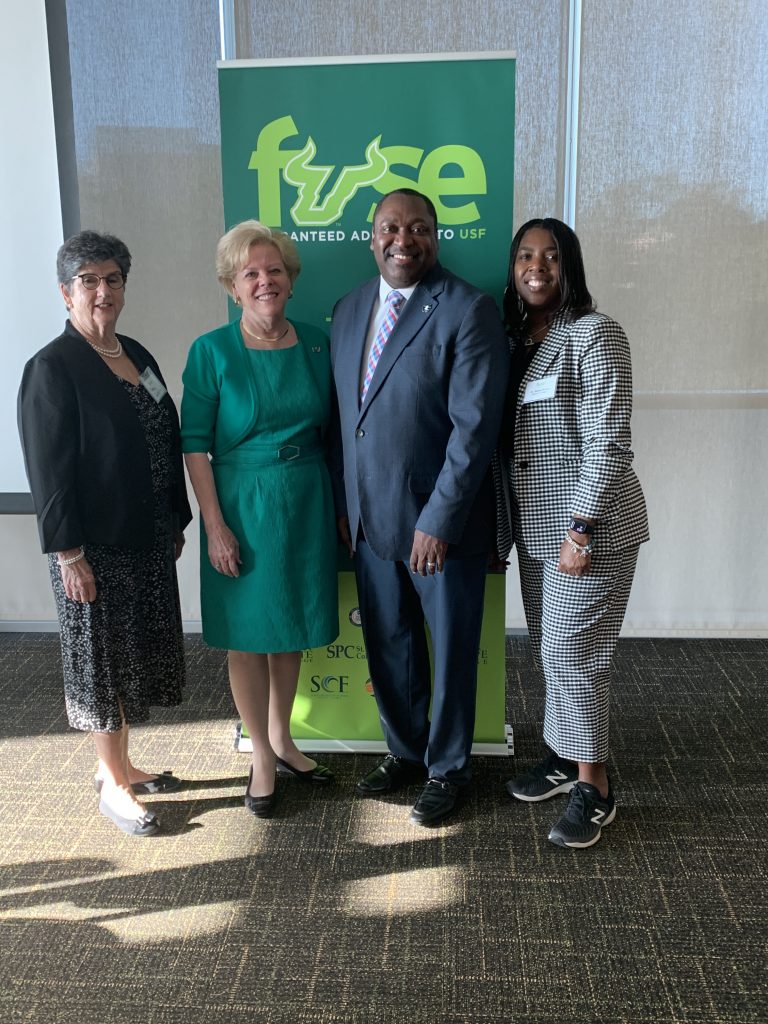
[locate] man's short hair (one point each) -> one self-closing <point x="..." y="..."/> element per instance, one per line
<point x="408" y="192"/>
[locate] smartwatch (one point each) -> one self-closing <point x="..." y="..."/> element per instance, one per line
<point x="582" y="527"/>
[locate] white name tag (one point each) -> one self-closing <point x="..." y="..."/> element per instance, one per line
<point x="538" y="390"/>
<point x="149" y="379"/>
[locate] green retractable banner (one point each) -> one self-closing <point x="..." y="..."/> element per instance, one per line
<point x="335" y="708"/>
<point x="310" y="147"/>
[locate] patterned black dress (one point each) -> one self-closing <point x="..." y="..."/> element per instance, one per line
<point x="126" y="648"/>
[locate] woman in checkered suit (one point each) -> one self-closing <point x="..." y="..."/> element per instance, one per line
<point x="570" y="501"/>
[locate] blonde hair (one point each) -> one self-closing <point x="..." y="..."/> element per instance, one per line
<point x="233" y="248"/>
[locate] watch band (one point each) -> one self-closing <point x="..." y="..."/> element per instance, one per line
<point x="582" y="527"/>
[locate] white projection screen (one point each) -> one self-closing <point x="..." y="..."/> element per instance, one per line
<point x="30" y="218"/>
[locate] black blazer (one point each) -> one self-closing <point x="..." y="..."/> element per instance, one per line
<point x="84" y="450"/>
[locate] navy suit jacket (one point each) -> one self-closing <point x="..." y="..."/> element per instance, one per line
<point x="416" y="455"/>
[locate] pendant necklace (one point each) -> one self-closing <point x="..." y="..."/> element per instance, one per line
<point x="532" y="337"/>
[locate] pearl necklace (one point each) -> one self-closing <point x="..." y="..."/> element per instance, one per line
<point x="110" y="353"/>
<point x="258" y="337"/>
<point x="114" y="353"/>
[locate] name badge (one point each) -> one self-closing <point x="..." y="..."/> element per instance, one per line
<point x="149" y="380"/>
<point x="538" y="390"/>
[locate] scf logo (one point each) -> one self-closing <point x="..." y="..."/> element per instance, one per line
<point x="329" y="684"/>
<point x="297" y="168"/>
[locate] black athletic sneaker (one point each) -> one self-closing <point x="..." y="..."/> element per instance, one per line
<point x="547" y="779"/>
<point x="584" y="817"/>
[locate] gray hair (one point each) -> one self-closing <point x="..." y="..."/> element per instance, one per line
<point x="233" y="248"/>
<point x="90" y="247"/>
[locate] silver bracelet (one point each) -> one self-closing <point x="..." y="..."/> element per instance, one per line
<point x="74" y="558"/>
<point x="580" y="549"/>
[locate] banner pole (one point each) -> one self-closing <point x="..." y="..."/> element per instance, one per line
<point x="228" y="45"/>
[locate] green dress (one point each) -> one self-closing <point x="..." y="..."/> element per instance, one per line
<point x="261" y="414"/>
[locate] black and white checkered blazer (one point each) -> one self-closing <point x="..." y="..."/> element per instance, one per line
<point x="572" y="454"/>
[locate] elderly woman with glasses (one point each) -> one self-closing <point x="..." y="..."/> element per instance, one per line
<point x="102" y="449"/>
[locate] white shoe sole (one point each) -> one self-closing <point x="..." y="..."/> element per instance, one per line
<point x="590" y="842"/>
<point x="565" y="787"/>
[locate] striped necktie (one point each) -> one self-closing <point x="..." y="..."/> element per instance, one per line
<point x="394" y="303"/>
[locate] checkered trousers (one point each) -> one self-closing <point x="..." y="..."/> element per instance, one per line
<point x="574" y="623"/>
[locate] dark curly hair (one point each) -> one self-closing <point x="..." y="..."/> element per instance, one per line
<point x="90" y="247"/>
<point x="574" y="293"/>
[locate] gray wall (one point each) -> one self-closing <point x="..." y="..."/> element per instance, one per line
<point x="665" y="179"/>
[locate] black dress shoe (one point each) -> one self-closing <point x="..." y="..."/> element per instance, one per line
<point x="165" y="782"/>
<point x="436" y="801"/>
<point x="389" y="775"/>
<point x="260" y="806"/>
<point x="146" y="825"/>
<point x="320" y="775"/>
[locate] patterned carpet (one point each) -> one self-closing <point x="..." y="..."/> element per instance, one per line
<point x="338" y="911"/>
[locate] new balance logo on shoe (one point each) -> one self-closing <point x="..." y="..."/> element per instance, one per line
<point x="585" y="816"/>
<point x="547" y="779"/>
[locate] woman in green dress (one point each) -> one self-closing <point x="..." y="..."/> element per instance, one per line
<point x="256" y="404"/>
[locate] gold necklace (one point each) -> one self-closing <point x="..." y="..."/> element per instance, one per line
<point x="259" y="338"/>
<point x="531" y="339"/>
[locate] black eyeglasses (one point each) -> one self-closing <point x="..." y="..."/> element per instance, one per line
<point x="91" y="281"/>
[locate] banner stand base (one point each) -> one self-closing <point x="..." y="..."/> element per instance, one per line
<point x="334" y="746"/>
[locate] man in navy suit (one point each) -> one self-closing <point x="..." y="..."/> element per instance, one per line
<point x="420" y="363"/>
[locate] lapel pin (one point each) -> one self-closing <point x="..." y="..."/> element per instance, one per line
<point x="425" y="309"/>
<point x="316" y="348"/>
